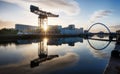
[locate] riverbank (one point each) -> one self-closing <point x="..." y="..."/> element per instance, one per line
<point x="35" y="36"/>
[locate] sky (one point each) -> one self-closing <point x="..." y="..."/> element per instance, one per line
<point x="82" y="13"/>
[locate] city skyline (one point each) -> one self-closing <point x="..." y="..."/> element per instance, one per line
<point x="82" y="13"/>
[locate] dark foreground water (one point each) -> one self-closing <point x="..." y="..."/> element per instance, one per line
<point x="55" y="56"/>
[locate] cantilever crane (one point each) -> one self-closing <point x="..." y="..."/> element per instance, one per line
<point x="43" y="15"/>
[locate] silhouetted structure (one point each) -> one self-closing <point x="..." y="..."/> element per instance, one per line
<point x="43" y="16"/>
<point x="116" y="51"/>
<point x="99" y="24"/>
<point x="43" y="54"/>
<point x="118" y="36"/>
<point x="114" y="62"/>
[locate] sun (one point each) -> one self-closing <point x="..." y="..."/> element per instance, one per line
<point x="45" y="27"/>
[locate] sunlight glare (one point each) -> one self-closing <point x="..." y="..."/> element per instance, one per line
<point x="45" y="41"/>
<point x="45" y="27"/>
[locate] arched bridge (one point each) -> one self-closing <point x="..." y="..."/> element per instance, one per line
<point x="99" y="24"/>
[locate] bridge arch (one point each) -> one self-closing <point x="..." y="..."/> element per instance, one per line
<point x="107" y="30"/>
<point x="102" y="48"/>
<point x="99" y="24"/>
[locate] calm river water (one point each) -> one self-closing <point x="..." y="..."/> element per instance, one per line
<point x="72" y="55"/>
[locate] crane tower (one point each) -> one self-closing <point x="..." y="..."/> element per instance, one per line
<point x="42" y="16"/>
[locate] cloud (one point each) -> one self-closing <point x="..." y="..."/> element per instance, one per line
<point x="115" y="28"/>
<point x="44" y="68"/>
<point x="99" y="15"/>
<point x="99" y="54"/>
<point x="6" y="24"/>
<point x="70" y="7"/>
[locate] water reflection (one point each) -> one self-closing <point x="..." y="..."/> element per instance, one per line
<point x="52" y="41"/>
<point x="104" y="39"/>
<point x="43" y="48"/>
<point x="70" y="41"/>
<point x="55" y="56"/>
<point x="98" y="46"/>
<point x="42" y="54"/>
<point x="101" y="47"/>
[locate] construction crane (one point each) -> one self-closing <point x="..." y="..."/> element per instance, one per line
<point x="43" y="16"/>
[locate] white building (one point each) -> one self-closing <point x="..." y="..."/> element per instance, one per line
<point x="25" y="28"/>
<point x="71" y="30"/>
<point x="52" y="29"/>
